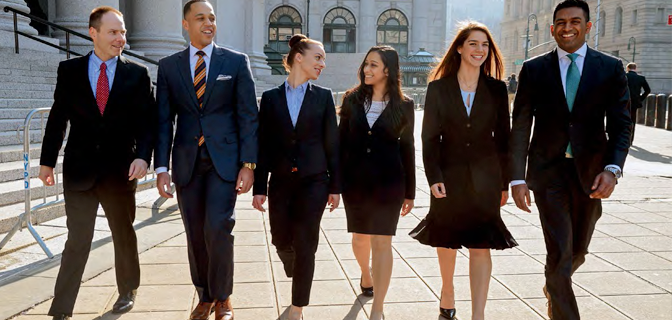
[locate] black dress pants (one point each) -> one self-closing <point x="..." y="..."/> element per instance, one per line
<point x="295" y="208"/>
<point x="81" y="209"/>
<point x="206" y="204"/>
<point x="568" y="217"/>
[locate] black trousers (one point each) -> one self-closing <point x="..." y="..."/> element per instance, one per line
<point x="568" y="218"/>
<point x="80" y="210"/>
<point x="206" y="204"/>
<point x="295" y="209"/>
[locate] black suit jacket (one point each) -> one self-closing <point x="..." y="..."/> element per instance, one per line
<point x="603" y="90"/>
<point x="228" y="119"/>
<point x="100" y="146"/>
<point x="455" y="144"/>
<point x="311" y="147"/>
<point x="384" y="153"/>
<point x="636" y="83"/>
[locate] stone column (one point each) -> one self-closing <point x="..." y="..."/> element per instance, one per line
<point x="7" y="18"/>
<point x="157" y="27"/>
<point x="242" y="27"/>
<point x="419" y="26"/>
<point x="256" y="35"/>
<point x="366" y="29"/>
<point x="74" y="15"/>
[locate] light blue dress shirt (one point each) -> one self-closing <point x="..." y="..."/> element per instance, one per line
<point x="470" y="95"/>
<point x="94" y="71"/>
<point x="295" y="99"/>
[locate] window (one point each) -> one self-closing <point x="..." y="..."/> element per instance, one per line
<point x="393" y="31"/>
<point x="603" y="23"/>
<point x="339" y="31"/>
<point x="660" y="15"/>
<point x="634" y="16"/>
<point x="618" y="22"/>
<point x="284" y="22"/>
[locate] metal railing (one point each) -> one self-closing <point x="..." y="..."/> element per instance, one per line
<point x="25" y="219"/>
<point x="67" y="31"/>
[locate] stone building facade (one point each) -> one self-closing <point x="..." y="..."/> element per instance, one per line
<point x="259" y="28"/>
<point x="620" y="27"/>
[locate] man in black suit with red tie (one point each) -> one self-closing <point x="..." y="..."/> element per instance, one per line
<point x="636" y="83"/>
<point x="573" y="160"/>
<point x="109" y="102"/>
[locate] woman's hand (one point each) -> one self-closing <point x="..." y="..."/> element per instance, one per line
<point x="505" y="197"/>
<point x="406" y="207"/>
<point x="439" y="190"/>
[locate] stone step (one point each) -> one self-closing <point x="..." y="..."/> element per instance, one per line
<point x="10" y="137"/>
<point x="14" y="113"/>
<point x="15" y="152"/>
<point x="14" y="191"/>
<point x="13" y="170"/>
<point x="18" y="86"/>
<point x="18" y="78"/>
<point x="13" y="124"/>
<point x="26" y="104"/>
<point x="21" y="94"/>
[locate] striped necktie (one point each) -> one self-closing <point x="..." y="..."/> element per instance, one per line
<point x="199" y="85"/>
<point x="572" y="85"/>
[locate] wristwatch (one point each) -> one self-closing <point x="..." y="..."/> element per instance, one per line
<point x="249" y="165"/>
<point x="617" y="172"/>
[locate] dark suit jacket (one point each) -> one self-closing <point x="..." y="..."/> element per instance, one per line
<point x="100" y="146"/>
<point x="311" y="147"/>
<point x="455" y="144"/>
<point x="383" y="153"/>
<point x="228" y="119"/>
<point x="636" y="83"/>
<point x="603" y="89"/>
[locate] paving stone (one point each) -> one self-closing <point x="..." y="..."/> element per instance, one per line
<point x="323" y="293"/>
<point x="529" y="286"/>
<point x="515" y="265"/>
<point x="414" y="250"/>
<point x="344" y="251"/>
<point x="254" y="238"/>
<point x="90" y="300"/>
<point x="636" y="261"/>
<point x="661" y="278"/>
<point x="162" y="298"/>
<point x="253" y="295"/>
<point x="644" y="307"/>
<point x="666" y="255"/>
<point x="353" y="312"/>
<point x="324" y="270"/>
<point x="653" y="243"/>
<point x="245" y="272"/>
<point x="429" y="267"/>
<point x="158" y="315"/>
<point x="400" y="269"/>
<point x="334" y="224"/>
<point x="256" y="313"/>
<point x="512" y="309"/>
<point x="164" y="255"/>
<point x="250" y="253"/>
<point x="662" y="228"/>
<point x="642" y="217"/>
<point x="614" y="283"/>
<point x="338" y="236"/>
<point x="165" y="274"/>
<point x="402" y="290"/>
<point x="463" y="290"/>
<point x="589" y="308"/>
<point x="625" y="230"/>
<point x="248" y="225"/>
<point x="596" y="264"/>
<point x="178" y="241"/>
<point x="526" y="232"/>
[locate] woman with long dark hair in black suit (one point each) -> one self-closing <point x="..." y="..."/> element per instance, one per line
<point x="298" y="146"/>
<point x="378" y="158"/>
<point x="465" y="143"/>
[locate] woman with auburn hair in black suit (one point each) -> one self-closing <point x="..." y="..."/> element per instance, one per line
<point x="465" y="134"/>
<point x="298" y="146"/>
<point x="378" y="158"/>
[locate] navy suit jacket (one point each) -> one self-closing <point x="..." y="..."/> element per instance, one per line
<point x="228" y="120"/>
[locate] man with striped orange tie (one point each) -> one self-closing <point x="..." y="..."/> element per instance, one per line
<point x="214" y="150"/>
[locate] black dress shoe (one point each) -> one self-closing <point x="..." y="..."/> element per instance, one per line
<point x="61" y="317"/>
<point x="367" y="292"/>
<point x="448" y="313"/>
<point x="125" y="302"/>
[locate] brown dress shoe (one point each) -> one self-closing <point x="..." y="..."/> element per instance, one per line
<point x="548" y="303"/>
<point x="202" y="311"/>
<point x="224" y="310"/>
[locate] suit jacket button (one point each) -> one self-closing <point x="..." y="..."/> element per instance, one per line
<point x="196" y="138"/>
<point x="468" y="125"/>
<point x="468" y="144"/>
<point x="370" y="133"/>
<point x="368" y="150"/>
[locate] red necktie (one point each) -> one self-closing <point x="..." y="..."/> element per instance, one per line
<point x="102" y="89"/>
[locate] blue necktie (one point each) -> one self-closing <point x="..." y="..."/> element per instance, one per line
<point x="572" y="85"/>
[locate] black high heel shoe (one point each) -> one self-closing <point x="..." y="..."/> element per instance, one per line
<point x="448" y="313"/>
<point x="367" y="292"/>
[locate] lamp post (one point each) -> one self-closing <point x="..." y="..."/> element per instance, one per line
<point x="633" y="41"/>
<point x="308" y="20"/>
<point x="527" y="31"/>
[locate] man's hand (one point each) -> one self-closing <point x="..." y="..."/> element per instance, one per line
<point x="505" y="197"/>
<point x="47" y="175"/>
<point x="163" y="184"/>
<point x="603" y="185"/>
<point x="138" y="169"/>
<point x="245" y="180"/>
<point x="521" y="196"/>
<point x="407" y="207"/>
<point x="334" y="200"/>
<point x="258" y="202"/>
<point x="439" y="190"/>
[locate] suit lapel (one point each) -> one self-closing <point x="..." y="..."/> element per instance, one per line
<point x="308" y="101"/>
<point x="283" y="111"/>
<point x="482" y="101"/>
<point x="216" y="62"/>
<point x="457" y="106"/>
<point x="185" y="71"/>
<point x="120" y="74"/>
<point x="556" y="86"/>
<point x="86" y="84"/>
<point x="591" y="65"/>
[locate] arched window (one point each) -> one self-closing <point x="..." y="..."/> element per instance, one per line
<point x="339" y="31"/>
<point x="603" y="23"/>
<point x="393" y="31"/>
<point x="284" y="22"/>
<point x="618" y="22"/>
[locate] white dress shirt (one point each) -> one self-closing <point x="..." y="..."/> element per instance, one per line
<point x="376" y="109"/>
<point x="193" y="59"/>
<point x="565" y="62"/>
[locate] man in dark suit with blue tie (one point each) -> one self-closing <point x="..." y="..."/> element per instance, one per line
<point x="214" y="151"/>
<point x="573" y="160"/>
